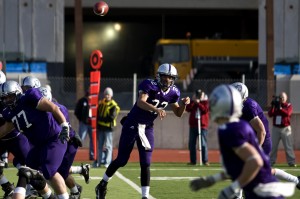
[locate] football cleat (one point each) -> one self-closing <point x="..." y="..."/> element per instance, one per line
<point x="79" y="187"/>
<point x="101" y="190"/>
<point x="31" y="192"/>
<point x="298" y="184"/>
<point x="85" y="172"/>
<point x="8" y="191"/>
<point x="32" y="197"/>
<point x="75" y="195"/>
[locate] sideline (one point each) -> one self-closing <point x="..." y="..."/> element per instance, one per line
<point x="132" y="184"/>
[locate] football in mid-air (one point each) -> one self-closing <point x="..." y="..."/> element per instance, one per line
<point x="101" y="8"/>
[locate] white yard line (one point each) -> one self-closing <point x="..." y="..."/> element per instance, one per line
<point x="198" y="169"/>
<point x="132" y="184"/>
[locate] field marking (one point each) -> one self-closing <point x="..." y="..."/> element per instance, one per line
<point x="197" y="169"/>
<point x="172" y="178"/>
<point x="177" y="169"/>
<point x="132" y="184"/>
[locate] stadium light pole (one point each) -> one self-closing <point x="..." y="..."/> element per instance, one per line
<point x="79" y="56"/>
<point x="270" y="49"/>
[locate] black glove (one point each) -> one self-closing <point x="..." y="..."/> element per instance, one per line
<point x="122" y="121"/>
<point x="77" y="140"/>
<point x="64" y="133"/>
<point x="273" y="103"/>
<point x="229" y="192"/>
<point x="29" y="174"/>
<point x="202" y="182"/>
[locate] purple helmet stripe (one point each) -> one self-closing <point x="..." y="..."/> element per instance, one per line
<point x="170" y="68"/>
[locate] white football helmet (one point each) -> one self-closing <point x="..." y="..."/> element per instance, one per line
<point x="30" y="82"/>
<point x="225" y="102"/>
<point x="2" y="77"/>
<point x="242" y="88"/>
<point x="168" y="70"/>
<point x="10" y="92"/>
<point x="46" y="93"/>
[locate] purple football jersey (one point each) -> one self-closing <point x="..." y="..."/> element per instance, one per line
<point x="157" y="98"/>
<point x="13" y="133"/>
<point x="14" y="142"/>
<point x="38" y="126"/>
<point x="233" y="135"/>
<point x="65" y="112"/>
<point x="252" y="109"/>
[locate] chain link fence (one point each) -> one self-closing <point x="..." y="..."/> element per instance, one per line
<point x="64" y="89"/>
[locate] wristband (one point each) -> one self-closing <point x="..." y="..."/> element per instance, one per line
<point x="217" y="177"/>
<point x="20" y="190"/>
<point x="64" y="124"/>
<point x="236" y="186"/>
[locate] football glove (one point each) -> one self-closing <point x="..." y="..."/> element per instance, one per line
<point x="77" y="140"/>
<point x="64" y="133"/>
<point x="230" y="191"/>
<point x="202" y="182"/>
<point x="122" y="121"/>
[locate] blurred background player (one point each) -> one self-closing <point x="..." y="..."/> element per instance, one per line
<point x="252" y="113"/>
<point x="243" y="160"/>
<point x="153" y="98"/>
<point x="198" y="105"/>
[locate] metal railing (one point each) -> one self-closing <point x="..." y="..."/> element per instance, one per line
<point x="64" y="89"/>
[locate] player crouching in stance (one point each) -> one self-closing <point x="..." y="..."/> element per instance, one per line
<point x="33" y="177"/>
<point x="244" y="161"/>
<point x="154" y="96"/>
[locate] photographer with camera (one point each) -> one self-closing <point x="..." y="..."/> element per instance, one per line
<point x="198" y="109"/>
<point x="281" y="112"/>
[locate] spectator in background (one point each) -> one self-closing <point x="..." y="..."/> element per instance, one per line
<point x="107" y="113"/>
<point x="281" y="111"/>
<point x="199" y="105"/>
<point x="83" y="114"/>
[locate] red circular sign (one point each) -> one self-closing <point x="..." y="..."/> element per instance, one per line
<point x="96" y="59"/>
